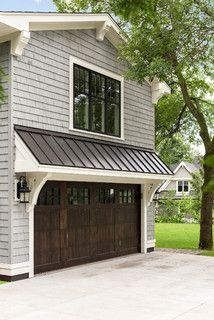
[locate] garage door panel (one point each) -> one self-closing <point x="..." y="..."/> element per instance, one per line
<point x="78" y="232"/>
<point x="102" y="230"/>
<point x="127" y="228"/>
<point x="47" y="236"/>
<point x="87" y="222"/>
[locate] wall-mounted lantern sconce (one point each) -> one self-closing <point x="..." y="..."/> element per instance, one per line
<point x="23" y="192"/>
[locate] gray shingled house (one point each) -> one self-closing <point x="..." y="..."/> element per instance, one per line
<point x="180" y="183"/>
<point x="78" y="168"/>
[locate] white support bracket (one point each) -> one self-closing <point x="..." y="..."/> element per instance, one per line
<point x="19" y="42"/>
<point x="150" y="190"/>
<point x="147" y="194"/>
<point x="158" y="90"/>
<point x="101" y="31"/>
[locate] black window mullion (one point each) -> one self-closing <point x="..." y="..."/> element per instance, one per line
<point x="89" y="102"/>
<point x="105" y="100"/>
<point x="119" y="108"/>
<point x="106" y="107"/>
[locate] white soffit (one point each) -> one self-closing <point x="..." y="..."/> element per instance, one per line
<point x="17" y="26"/>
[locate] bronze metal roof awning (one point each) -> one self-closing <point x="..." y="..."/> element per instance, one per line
<point x="58" y="149"/>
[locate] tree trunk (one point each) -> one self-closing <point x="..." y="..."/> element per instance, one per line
<point x="206" y="238"/>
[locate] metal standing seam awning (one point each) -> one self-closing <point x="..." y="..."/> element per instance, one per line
<point x="59" y="149"/>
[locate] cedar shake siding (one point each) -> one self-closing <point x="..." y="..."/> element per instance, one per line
<point x="4" y="156"/>
<point x="41" y="84"/>
<point x="40" y="99"/>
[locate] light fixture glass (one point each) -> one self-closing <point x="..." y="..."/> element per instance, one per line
<point x="23" y="192"/>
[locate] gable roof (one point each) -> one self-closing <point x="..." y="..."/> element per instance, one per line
<point x="190" y="167"/>
<point x="16" y="27"/>
<point x="13" y="22"/>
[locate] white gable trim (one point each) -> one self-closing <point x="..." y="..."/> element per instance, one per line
<point x="16" y="26"/>
<point x="182" y="164"/>
<point x="24" y="160"/>
<point x="20" y="25"/>
<point x="166" y="183"/>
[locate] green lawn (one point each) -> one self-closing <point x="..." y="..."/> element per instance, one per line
<point x="1" y="282"/>
<point x="179" y="236"/>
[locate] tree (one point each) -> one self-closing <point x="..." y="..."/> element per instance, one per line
<point x="174" y="149"/>
<point x="171" y="41"/>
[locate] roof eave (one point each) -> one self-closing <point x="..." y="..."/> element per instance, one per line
<point x="14" y="24"/>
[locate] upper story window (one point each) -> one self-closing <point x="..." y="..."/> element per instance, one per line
<point x="96" y="100"/>
<point x="183" y="187"/>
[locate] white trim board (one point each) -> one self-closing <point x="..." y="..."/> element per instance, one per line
<point x="14" y="269"/>
<point x="16" y="26"/>
<point x="180" y="193"/>
<point x="151" y="243"/>
<point x="23" y="23"/>
<point x="182" y="164"/>
<point x="105" y="72"/>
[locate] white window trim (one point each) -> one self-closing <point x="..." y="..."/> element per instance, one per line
<point x="85" y="64"/>
<point x="182" y="192"/>
<point x="15" y="190"/>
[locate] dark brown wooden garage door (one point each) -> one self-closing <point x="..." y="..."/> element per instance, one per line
<point x="82" y="222"/>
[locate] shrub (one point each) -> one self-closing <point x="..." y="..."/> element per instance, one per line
<point x="183" y="210"/>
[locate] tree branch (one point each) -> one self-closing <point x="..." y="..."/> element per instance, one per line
<point x="204" y="8"/>
<point x="178" y="124"/>
<point x="202" y="100"/>
<point x="197" y="114"/>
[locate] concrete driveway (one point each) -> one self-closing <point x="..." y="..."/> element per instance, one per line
<point x="159" y="285"/>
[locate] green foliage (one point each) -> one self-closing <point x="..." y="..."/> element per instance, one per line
<point x="177" y="218"/>
<point x="175" y="149"/>
<point x="167" y="40"/>
<point x="171" y="210"/>
<point x="209" y="161"/>
<point x="196" y="184"/>
<point x="172" y="41"/>
<point x="189" y="208"/>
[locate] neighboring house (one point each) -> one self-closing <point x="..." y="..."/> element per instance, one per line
<point x="180" y="183"/>
<point x="77" y="163"/>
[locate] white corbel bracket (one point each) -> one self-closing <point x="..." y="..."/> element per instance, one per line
<point x="101" y="31"/>
<point x="158" y="90"/>
<point x="151" y="189"/>
<point x="19" y="42"/>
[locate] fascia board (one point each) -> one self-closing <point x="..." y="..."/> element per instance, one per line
<point x="24" y="23"/>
